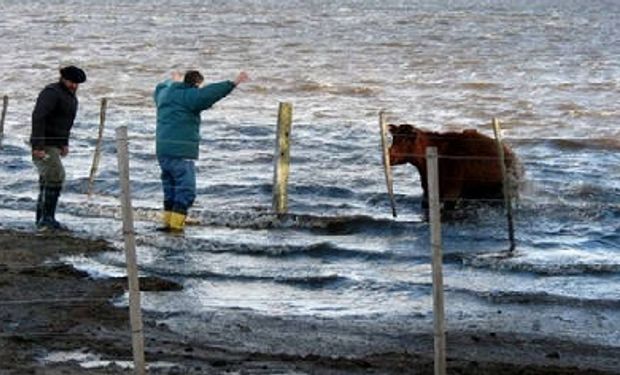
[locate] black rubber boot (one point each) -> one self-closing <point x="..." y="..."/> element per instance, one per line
<point x="48" y="212"/>
<point x="39" y="213"/>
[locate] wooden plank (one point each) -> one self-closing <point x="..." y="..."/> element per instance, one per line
<point x="5" y="105"/>
<point x="282" y="159"/>
<point x="438" y="296"/>
<point x="97" y="155"/>
<point x="387" y="168"/>
<point x="506" y="183"/>
<point x="135" y="314"/>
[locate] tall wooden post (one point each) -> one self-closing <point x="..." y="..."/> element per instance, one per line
<point x="135" y="315"/>
<point x="95" y="165"/>
<point x="506" y="184"/>
<point x="387" y="168"/>
<point x="5" y="104"/>
<point x="438" y="297"/>
<point x="282" y="159"/>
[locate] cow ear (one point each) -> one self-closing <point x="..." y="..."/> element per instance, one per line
<point x="392" y="128"/>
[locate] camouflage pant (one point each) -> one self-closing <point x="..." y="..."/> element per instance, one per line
<point x="51" y="171"/>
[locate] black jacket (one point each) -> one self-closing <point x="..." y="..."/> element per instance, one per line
<point x="53" y="116"/>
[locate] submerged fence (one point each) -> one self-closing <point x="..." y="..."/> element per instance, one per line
<point x="280" y="207"/>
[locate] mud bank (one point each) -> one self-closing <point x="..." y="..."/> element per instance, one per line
<point x="55" y="319"/>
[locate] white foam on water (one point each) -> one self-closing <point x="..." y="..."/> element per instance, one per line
<point x="89" y="360"/>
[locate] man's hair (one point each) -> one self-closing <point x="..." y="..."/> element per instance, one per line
<point x="193" y="78"/>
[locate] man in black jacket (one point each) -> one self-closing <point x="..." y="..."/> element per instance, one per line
<point x="52" y="120"/>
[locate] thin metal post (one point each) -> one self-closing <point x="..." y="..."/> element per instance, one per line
<point x="438" y="297"/>
<point x="387" y="168"/>
<point x="506" y="183"/>
<point x="282" y="159"/>
<point x="96" y="156"/>
<point x="135" y="315"/>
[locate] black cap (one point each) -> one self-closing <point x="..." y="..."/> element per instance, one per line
<point x="73" y="74"/>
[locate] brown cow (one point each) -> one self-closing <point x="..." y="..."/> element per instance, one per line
<point x="468" y="163"/>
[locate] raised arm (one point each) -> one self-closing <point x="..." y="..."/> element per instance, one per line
<point x="211" y="94"/>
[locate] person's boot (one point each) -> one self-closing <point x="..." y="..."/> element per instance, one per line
<point x="165" y="222"/>
<point x="55" y="194"/>
<point x="177" y="222"/>
<point x="48" y="212"/>
<point x="44" y="211"/>
<point x="39" y="213"/>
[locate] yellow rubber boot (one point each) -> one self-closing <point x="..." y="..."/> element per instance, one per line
<point x="177" y="221"/>
<point x="165" y="218"/>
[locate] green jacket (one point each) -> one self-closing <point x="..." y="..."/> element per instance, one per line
<point x="178" y="115"/>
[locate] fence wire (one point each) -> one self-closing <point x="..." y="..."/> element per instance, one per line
<point x="80" y="300"/>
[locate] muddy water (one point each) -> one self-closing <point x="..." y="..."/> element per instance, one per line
<point x="548" y="70"/>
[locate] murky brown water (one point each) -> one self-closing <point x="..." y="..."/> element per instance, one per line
<point x="549" y="70"/>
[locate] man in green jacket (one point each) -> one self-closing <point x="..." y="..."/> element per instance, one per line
<point x="179" y="104"/>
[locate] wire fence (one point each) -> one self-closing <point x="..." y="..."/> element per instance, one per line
<point x="139" y="140"/>
<point x="79" y="300"/>
<point x="476" y="162"/>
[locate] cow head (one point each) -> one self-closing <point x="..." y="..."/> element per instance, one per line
<point x="403" y="143"/>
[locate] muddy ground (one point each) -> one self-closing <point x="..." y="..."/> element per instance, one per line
<point x="48" y="307"/>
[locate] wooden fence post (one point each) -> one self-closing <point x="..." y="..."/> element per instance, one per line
<point x="135" y="315"/>
<point x="282" y="159"/>
<point x="438" y="297"/>
<point x="5" y="104"/>
<point x="506" y="184"/>
<point x="95" y="165"/>
<point x="387" y="168"/>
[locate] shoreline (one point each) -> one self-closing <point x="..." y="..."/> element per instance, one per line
<point x="50" y="308"/>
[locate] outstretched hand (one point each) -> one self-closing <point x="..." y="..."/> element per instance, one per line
<point x="241" y="78"/>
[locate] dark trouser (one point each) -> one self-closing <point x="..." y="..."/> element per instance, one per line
<point x="178" y="177"/>
<point x="51" y="179"/>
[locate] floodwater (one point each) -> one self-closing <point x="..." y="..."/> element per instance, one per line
<point x="548" y="70"/>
